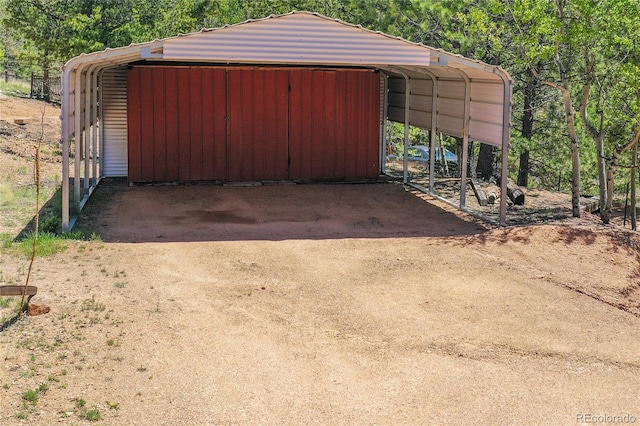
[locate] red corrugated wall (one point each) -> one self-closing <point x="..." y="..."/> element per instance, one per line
<point x="176" y="123"/>
<point x="258" y="114"/>
<point x="208" y="123"/>
<point x="334" y="124"/>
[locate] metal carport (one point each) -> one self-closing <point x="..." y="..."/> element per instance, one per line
<point x="421" y="86"/>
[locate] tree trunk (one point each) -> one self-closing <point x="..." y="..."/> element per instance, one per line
<point x="602" y="177"/>
<point x="570" y="116"/>
<point x="459" y="154"/>
<point x="596" y="133"/>
<point x="575" y="176"/>
<point x="611" y="173"/>
<point x="527" y="131"/>
<point x="605" y="212"/>
<point x="445" y="165"/>
<point x="46" y="86"/>
<point x="480" y="194"/>
<point x="485" y="161"/>
<point x="523" y="169"/>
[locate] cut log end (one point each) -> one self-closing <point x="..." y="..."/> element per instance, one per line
<point x="22" y="120"/>
<point x="515" y="194"/>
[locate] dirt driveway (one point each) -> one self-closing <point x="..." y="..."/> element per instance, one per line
<point x="208" y="212"/>
<point x="354" y="304"/>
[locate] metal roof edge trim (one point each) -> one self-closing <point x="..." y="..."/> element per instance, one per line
<point x="473" y="63"/>
<point x="110" y="53"/>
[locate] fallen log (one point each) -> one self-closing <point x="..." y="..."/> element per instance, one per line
<point x="480" y="194"/>
<point x="591" y="204"/>
<point x="514" y="193"/>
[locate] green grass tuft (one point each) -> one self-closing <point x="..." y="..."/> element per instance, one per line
<point x="93" y="415"/>
<point x="31" y="396"/>
<point x="92" y="305"/>
<point x="6" y="241"/>
<point x="7" y="195"/>
<point x="95" y="237"/>
<point x="16" y="88"/>
<point x="47" y="245"/>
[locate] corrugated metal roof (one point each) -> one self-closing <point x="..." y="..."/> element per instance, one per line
<point x="296" y="38"/>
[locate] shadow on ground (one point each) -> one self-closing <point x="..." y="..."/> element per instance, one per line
<point x="209" y="212"/>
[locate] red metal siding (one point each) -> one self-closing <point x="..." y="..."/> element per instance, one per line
<point x="177" y="127"/>
<point x="172" y="172"/>
<point x="258" y="124"/>
<point x="299" y="120"/>
<point x="207" y="123"/>
<point x="334" y="121"/>
<point x="214" y="110"/>
<point x="159" y="127"/>
<point x="195" y="123"/>
<point x="183" y="124"/>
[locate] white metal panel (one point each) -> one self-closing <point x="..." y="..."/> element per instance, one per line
<point x="396" y="84"/>
<point x="486" y="112"/>
<point x="485" y="91"/>
<point x="475" y="73"/>
<point x="451" y="89"/>
<point x="486" y="108"/>
<point x="451" y="107"/>
<point x="489" y="113"/>
<point x="114" y="121"/>
<point x="396" y="99"/>
<point x="395" y="108"/>
<point x="450" y="125"/>
<point x="420" y="119"/>
<point x="486" y="132"/>
<point x="422" y="87"/>
<point x="296" y="38"/>
<point x="420" y="103"/>
<point x="395" y="114"/>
